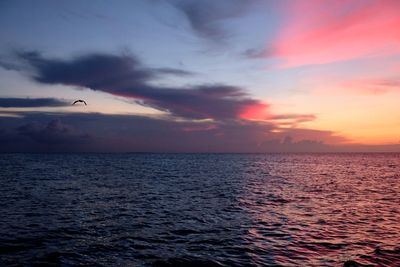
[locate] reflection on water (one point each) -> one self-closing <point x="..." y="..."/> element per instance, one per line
<point x="200" y="210"/>
<point x="325" y="209"/>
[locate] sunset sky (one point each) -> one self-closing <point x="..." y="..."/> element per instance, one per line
<point x="200" y="76"/>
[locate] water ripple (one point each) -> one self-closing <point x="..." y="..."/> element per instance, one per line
<point x="200" y="210"/>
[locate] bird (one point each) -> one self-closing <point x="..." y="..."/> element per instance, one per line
<point x="79" y="101"/>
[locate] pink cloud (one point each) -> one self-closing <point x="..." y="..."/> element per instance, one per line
<point x="373" y="86"/>
<point x="256" y="111"/>
<point x="320" y="31"/>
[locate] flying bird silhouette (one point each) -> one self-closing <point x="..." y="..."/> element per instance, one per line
<point x="79" y="101"/>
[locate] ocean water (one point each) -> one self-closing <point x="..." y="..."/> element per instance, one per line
<point x="200" y="209"/>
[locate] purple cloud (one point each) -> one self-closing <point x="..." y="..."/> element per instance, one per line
<point x="126" y="133"/>
<point x="53" y="132"/>
<point x="125" y="76"/>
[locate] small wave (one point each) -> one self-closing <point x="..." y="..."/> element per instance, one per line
<point x="380" y="257"/>
<point x="184" y="232"/>
<point x="185" y="262"/>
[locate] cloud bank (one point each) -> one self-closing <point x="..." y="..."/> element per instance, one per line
<point x="54" y="132"/>
<point x="91" y="132"/>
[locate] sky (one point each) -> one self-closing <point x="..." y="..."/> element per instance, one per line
<point x="200" y="76"/>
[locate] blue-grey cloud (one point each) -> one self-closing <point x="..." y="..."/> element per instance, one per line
<point x="32" y="102"/>
<point x="173" y="71"/>
<point x="205" y="16"/>
<point x="8" y="65"/>
<point x="125" y="76"/>
<point x="254" y="53"/>
<point x="95" y="71"/>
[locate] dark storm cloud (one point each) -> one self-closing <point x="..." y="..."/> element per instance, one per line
<point x="32" y="102"/>
<point x="205" y="16"/>
<point x="125" y="76"/>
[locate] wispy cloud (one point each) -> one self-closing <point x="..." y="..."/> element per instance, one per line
<point x="374" y="86"/>
<point x="264" y="52"/>
<point x="206" y="17"/>
<point x="172" y="71"/>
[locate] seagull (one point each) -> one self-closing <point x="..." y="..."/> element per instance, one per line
<point x="79" y="101"/>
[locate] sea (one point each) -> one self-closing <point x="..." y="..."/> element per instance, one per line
<point x="144" y="209"/>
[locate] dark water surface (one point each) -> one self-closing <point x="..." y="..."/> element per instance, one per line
<point x="200" y="209"/>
